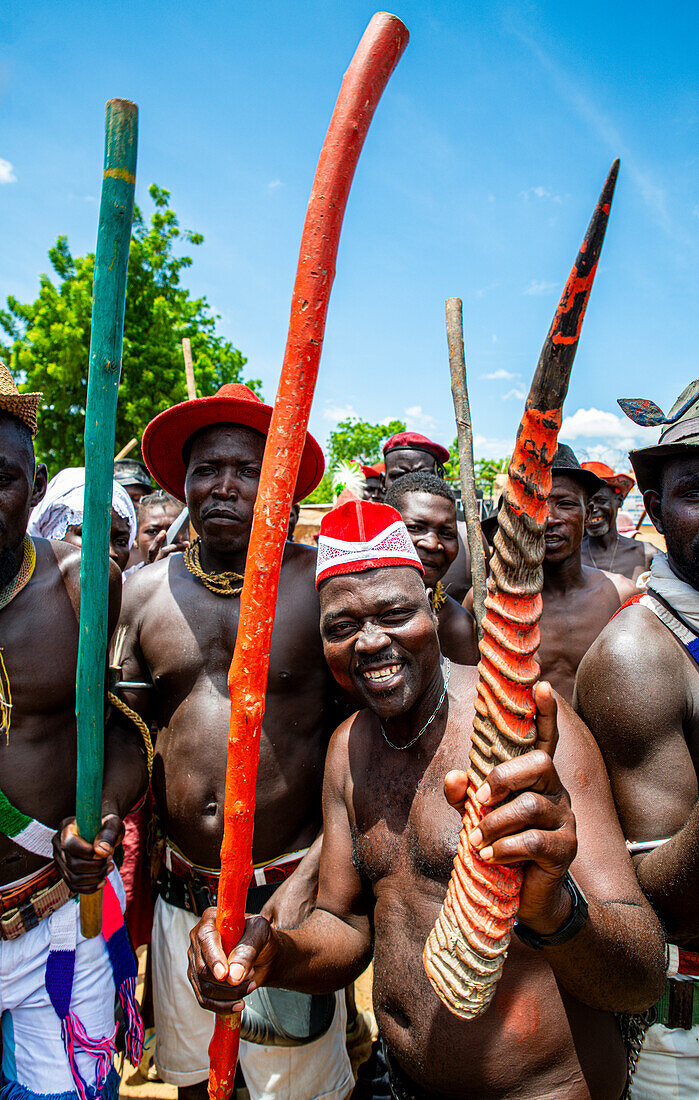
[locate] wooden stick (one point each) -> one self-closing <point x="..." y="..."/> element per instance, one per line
<point x="466" y="949"/>
<point x="641" y="519"/>
<point x="108" y="301"/>
<point x="189" y="369"/>
<point x="126" y="450"/>
<point x="377" y="55"/>
<point x="467" y="473"/>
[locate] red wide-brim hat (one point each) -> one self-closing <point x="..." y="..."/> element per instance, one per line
<point x="620" y="483"/>
<point x="165" y="437"/>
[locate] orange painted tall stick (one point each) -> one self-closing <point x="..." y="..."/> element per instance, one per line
<point x="465" y="951"/>
<point x="378" y="53"/>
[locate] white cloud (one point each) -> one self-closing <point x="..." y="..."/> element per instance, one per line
<point x="494" y="338"/>
<point x="274" y="184"/>
<point x="7" y="172"/>
<point x="540" y="193"/>
<point x="499" y="374"/>
<point x="338" y="412"/>
<point x="617" y="430"/>
<point x="539" y="286"/>
<point x="418" y="421"/>
<point x="517" y="392"/>
<point x="485" y="447"/>
<point x="483" y="290"/>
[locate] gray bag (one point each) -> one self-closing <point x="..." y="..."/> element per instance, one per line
<point x="280" y="1018"/>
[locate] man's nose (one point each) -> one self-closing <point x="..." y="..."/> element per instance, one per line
<point x="226" y="486"/>
<point x="371" y="639"/>
<point x="430" y="541"/>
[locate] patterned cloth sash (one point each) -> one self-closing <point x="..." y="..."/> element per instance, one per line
<point x="60" y="964"/>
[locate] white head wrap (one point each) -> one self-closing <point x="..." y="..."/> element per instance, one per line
<point x="63" y="504"/>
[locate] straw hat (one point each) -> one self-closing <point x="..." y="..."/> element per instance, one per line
<point x="23" y="406"/>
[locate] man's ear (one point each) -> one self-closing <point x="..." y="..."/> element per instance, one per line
<point x="651" y="499"/>
<point x="41" y="478"/>
<point x="430" y="599"/>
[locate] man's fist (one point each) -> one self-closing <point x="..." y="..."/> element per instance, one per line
<point x="85" y="866"/>
<point x="220" y="983"/>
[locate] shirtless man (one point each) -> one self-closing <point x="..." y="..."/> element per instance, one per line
<point x="638" y="690"/>
<point x="389" y="844"/>
<point x="180" y="617"/>
<point x="426" y="504"/>
<point x="40" y="605"/>
<point x="602" y="546"/>
<point x="409" y="453"/>
<point x="578" y="600"/>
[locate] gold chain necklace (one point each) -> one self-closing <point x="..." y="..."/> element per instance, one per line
<point x="589" y="550"/>
<point x="439" y="597"/>
<point x="221" y="584"/>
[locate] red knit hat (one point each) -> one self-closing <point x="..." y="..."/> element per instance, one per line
<point x="360" y="535"/>
<point x="371" y="471"/>
<point x="413" y="441"/>
<point x="165" y="437"/>
<point x="620" y="483"/>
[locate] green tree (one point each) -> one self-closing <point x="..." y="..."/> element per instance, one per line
<point x="50" y="338"/>
<point x="354" y="438"/>
<point x="487" y="469"/>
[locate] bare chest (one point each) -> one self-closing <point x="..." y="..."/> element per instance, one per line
<point x="403" y="828"/>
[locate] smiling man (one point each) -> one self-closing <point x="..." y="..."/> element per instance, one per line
<point x="602" y="546"/>
<point x="389" y="844"/>
<point x="578" y="600"/>
<point x="427" y="506"/>
<point x="181" y="617"/>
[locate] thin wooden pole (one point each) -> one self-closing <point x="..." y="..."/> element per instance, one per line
<point x="377" y="55"/>
<point x="467" y="474"/>
<point x="108" y="302"/>
<point x="189" y="369"/>
<point x="126" y="450"/>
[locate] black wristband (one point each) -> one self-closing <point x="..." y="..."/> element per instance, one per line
<point x="571" y="927"/>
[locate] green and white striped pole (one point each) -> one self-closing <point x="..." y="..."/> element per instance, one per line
<point x="108" y="302"/>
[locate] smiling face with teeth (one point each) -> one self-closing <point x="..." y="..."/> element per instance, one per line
<point x="380" y="638"/>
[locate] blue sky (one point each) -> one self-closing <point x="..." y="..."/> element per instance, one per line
<point x="477" y="180"/>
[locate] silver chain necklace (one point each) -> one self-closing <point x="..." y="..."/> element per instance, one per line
<point x="446" y="668"/>
<point x="611" y="564"/>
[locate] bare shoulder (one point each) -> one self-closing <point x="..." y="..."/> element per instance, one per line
<point x="624" y="587"/>
<point x="146" y="584"/>
<point x="631" y="687"/>
<point x="299" y="561"/>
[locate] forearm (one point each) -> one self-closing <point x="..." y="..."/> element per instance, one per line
<point x="324" y="954"/>
<point x="616" y="963"/>
<point x="669" y="877"/>
<point x="125" y="771"/>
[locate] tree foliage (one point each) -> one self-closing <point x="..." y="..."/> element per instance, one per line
<point x="485" y="469"/>
<point x="50" y="338"/>
<point x="354" y="438"/>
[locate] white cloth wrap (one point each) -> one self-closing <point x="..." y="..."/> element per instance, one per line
<point x="63" y="505"/>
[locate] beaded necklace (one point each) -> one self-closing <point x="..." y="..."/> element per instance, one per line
<point x="24" y="576"/>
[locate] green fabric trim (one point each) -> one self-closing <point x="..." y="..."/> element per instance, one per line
<point x="663" y="1006"/>
<point x="12" y="820"/>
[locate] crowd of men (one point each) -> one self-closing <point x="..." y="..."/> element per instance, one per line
<point x="360" y="797"/>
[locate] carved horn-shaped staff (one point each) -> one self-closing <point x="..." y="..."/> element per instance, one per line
<point x="465" y="951"/>
<point x="376" y="57"/>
